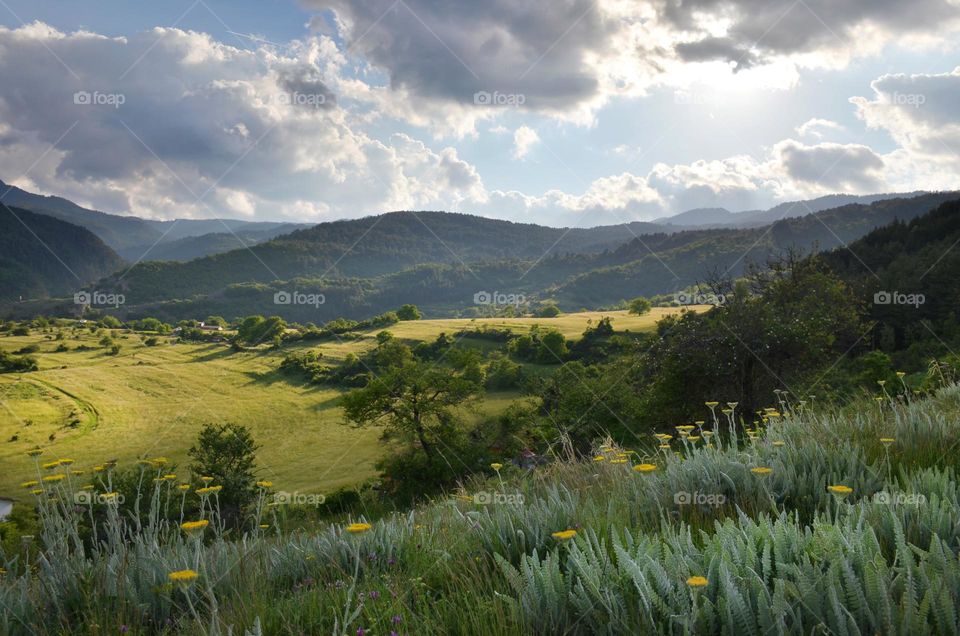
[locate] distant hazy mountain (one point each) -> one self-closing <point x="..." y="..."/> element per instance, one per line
<point x="803" y="208"/>
<point x="715" y="217"/>
<point x="132" y="236"/>
<point x="116" y="231"/>
<point x="43" y="256"/>
<point x="191" y="247"/>
<point x="699" y="216"/>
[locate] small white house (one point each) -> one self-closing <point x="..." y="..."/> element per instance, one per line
<point x="6" y="507"/>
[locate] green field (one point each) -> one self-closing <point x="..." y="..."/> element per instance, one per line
<point x="151" y="401"/>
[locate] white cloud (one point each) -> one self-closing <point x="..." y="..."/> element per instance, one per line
<point x="173" y="123"/>
<point x="524" y="139"/>
<point x="919" y="111"/>
<point x="817" y="127"/>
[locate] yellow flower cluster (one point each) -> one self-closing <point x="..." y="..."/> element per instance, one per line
<point x="183" y="576"/>
<point x="358" y="528"/>
<point x="192" y="526"/>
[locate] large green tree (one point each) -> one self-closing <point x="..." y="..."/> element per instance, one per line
<point x="227" y="452"/>
<point x="414" y="401"/>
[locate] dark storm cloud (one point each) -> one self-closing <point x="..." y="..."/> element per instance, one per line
<point x="784" y="27"/>
<point x="452" y="50"/>
<point x="844" y="168"/>
<point x="710" y="49"/>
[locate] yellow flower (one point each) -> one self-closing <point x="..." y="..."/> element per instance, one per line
<point x="190" y="526"/>
<point x="840" y="490"/>
<point x="65" y="462"/>
<point x="697" y="581"/>
<point x="183" y="487"/>
<point x="778" y="442"/>
<point x="711" y="404"/>
<point x="685" y="427"/>
<point x="564" y="535"/>
<point x="599" y="458"/>
<point x="57" y="477"/>
<point x="708" y="434"/>
<point x="264" y="526"/>
<point x="183" y="576"/>
<point x="900" y="374"/>
<point x="693" y="438"/>
<point x="77" y="472"/>
<point x="264" y="484"/>
<point x="35" y="452"/>
<point x="358" y="528"/>
<point x="98" y="469"/>
<point x="159" y="461"/>
<point x="664" y="446"/>
<point x="209" y="489"/>
<point x="886" y="441"/>
<point x="169" y="477"/>
<point x="51" y="465"/>
<point x="36" y="491"/>
<point x="29" y="484"/>
<point x="881" y="382"/>
<point x="663" y="437"/>
<point x="761" y="470"/>
<point x="206" y="480"/>
<point x="618" y="461"/>
<point x="645" y="468"/>
<point x="87" y="487"/>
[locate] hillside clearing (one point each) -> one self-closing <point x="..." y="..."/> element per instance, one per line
<point x="151" y="401"/>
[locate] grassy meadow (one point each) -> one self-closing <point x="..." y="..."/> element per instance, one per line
<point x="150" y="401"/>
<point x="820" y="520"/>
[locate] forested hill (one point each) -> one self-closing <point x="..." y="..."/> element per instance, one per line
<point x="659" y="263"/>
<point x="43" y="256"/>
<point x="909" y="274"/>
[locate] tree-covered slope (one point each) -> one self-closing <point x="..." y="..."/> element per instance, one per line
<point x="44" y="256"/>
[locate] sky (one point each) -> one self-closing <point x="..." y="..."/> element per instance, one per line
<point x="558" y="112"/>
